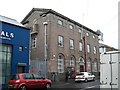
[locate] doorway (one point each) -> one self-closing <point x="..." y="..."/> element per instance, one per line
<point x="20" y="69"/>
<point x="81" y="68"/>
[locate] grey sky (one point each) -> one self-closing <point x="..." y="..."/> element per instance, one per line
<point x="95" y="14"/>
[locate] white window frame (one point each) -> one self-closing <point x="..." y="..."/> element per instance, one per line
<point x="81" y="59"/>
<point x="94" y="50"/>
<point x="71" y="26"/>
<point x="95" y="66"/>
<point x="89" y="65"/>
<point x="34" y="42"/>
<point x="60" y="22"/>
<point x="88" y="48"/>
<point x="60" y="64"/>
<point x="60" y="41"/>
<point x="71" y="44"/>
<point x="87" y="34"/>
<point x="80" y="46"/>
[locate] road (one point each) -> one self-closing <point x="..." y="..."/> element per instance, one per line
<point x="91" y="85"/>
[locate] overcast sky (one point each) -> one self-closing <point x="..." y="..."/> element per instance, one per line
<point x="95" y="14"/>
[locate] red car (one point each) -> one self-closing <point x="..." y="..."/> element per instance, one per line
<point x="27" y="81"/>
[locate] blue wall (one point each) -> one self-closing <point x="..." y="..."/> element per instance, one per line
<point x="21" y="38"/>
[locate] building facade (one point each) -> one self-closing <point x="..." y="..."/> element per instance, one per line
<point x="14" y="49"/>
<point x="68" y="45"/>
<point x="105" y="48"/>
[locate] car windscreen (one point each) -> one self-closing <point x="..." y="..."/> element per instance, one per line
<point x="14" y="77"/>
<point x="80" y="74"/>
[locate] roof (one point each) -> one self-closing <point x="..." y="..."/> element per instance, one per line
<point x="10" y="21"/>
<point x="47" y="11"/>
<point x="108" y="47"/>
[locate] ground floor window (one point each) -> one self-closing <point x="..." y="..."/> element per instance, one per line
<point x="5" y="62"/>
<point x="88" y="65"/>
<point x="95" y="66"/>
<point x="60" y="63"/>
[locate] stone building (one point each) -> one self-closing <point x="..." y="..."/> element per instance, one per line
<point x="67" y="45"/>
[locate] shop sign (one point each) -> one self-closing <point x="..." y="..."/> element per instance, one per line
<point x="6" y="35"/>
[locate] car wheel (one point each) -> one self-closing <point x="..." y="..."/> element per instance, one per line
<point x="48" y="85"/>
<point x="86" y="80"/>
<point x="23" y="87"/>
<point x="94" y="79"/>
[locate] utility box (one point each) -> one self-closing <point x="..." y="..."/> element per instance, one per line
<point x="110" y="70"/>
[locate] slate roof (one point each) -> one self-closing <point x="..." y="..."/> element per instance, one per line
<point x="47" y="11"/>
<point x="10" y="21"/>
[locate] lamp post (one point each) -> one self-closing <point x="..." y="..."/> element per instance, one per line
<point x="45" y="46"/>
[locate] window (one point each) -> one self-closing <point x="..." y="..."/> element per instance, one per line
<point x="14" y="77"/>
<point x="94" y="50"/>
<point x="20" y="48"/>
<point x="89" y="65"/>
<point x="36" y="76"/>
<point x="60" y="22"/>
<point x="87" y="34"/>
<point x="71" y="44"/>
<point x="72" y="62"/>
<point x="80" y="33"/>
<point x="35" y="27"/>
<point x="60" y="41"/>
<point x="88" y="48"/>
<point x="81" y="59"/>
<point x="80" y="46"/>
<point x="5" y="62"/>
<point x="28" y="76"/>
<point x="71" y="26"/>
<point x="95" y="66"/>
<point x="34" y="40"/>
<point x="60" y="63"/>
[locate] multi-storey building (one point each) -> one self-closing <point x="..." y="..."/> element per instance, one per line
<point x="67" y="44"/>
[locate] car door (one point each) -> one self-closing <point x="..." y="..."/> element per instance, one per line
<point x="38" y="80"/>
<point x="90" y="76"/>
<point x="30" y="81"/>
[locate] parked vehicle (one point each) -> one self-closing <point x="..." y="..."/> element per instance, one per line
<point x="110" y="70"/>
<point x="26" y="81"/>
<point x="84" y="76"/>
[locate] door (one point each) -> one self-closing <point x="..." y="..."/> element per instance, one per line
<point x="30" y="81"/>
<point x="20" y="69"/>
<point x="81" y="68"/>
<point x="109" y="70"/>
<point x="38" y="81"/>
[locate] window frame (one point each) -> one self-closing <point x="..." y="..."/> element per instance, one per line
<point x="71" y="26"/>
<point x="34" y="42"/>
<point x="60" y="63"/>
<point x="60" y="41"/>
<point x="60" y="22"/>
<point x="88" y="48"/>
<point x="71" y="43"/>
<point x="80" y="46"/>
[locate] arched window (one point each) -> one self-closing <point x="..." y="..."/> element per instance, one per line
<point x="95" y="65"/>
<point x="81" y="59"/>
<point x="89" y="65"/>
<point x="60" y="63"/>
<point x="72" y="61"/>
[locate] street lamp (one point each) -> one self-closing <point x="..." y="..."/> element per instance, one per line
<point x="45" y="46"/>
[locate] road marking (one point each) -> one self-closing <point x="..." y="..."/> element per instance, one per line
<point x="90" y="87"/>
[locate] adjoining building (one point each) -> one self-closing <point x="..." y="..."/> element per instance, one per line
<point x="14" y="49"/>
<point x="61" y="44"/>
<point x="106" y="48"/>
